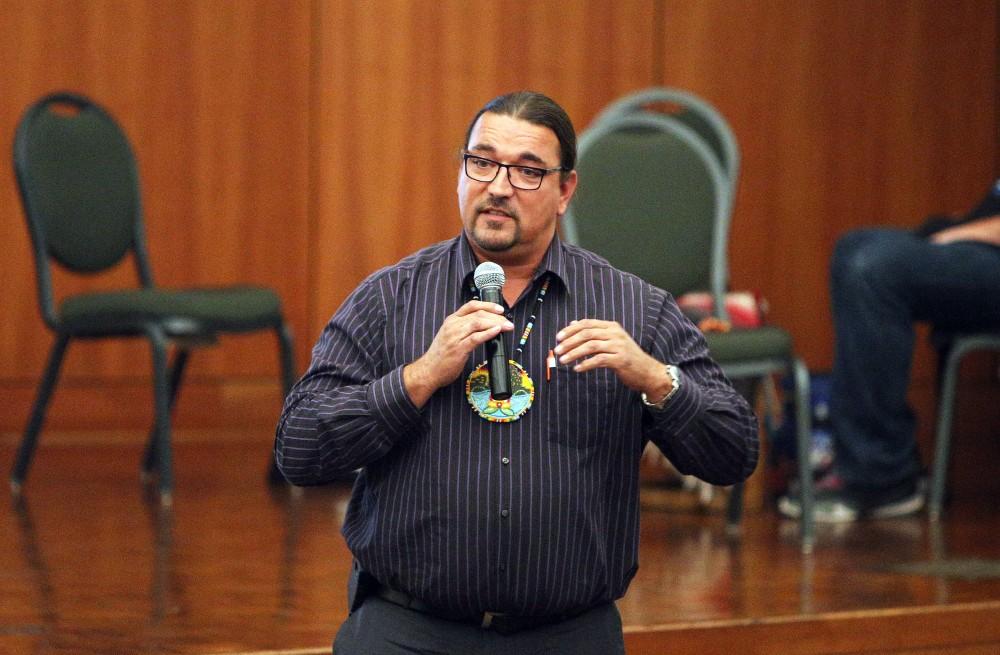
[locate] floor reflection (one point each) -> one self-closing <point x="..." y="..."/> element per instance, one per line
<point x="164" y="587"/>
<point x="41" y="620"/>
<point x="91" y="564"/>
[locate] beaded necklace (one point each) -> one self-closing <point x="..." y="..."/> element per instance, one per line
<point x="477" y="385"/>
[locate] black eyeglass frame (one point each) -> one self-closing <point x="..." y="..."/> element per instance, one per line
<point x="466" y="156"/>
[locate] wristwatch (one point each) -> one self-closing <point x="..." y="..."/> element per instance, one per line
<point x="674" y="374"/>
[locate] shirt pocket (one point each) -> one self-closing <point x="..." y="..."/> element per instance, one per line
<point x="578" y="406"/>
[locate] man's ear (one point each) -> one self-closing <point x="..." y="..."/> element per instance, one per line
<point x="567" y="187"/>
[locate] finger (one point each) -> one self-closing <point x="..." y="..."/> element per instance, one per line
<point x="568" y="331"/>
<point x="479" y="306"/>
<point x="594" y="336"/>
<point x="603" y="360"/>
<point x="587" y="334"/>
<point x="480" y="322"/>
<point x="480" y="337"/>
<point x="576" y="327"/>
<point x="460" y="328"/>
<point x="589" y="348"/>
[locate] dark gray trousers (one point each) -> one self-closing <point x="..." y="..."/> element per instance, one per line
<point x="379" y="627"/>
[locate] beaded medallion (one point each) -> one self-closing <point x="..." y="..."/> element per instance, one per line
<point x="477" y="390"/>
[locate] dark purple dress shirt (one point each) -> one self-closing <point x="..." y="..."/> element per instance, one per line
<point x="533" y="517"/>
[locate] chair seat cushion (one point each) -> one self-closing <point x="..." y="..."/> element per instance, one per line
<point x="740" y="345"/>
<point x="178" y="311"/>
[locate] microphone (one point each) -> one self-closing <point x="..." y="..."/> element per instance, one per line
<point x="489" y="279"/>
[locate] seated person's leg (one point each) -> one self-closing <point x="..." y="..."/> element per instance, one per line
<point x="882" y="281"/>
<point x="872" y="299"/>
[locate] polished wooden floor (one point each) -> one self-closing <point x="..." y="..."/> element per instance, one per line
<point x="90" y="563"/>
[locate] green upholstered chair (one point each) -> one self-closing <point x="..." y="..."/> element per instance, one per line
<point x="79" y="186"/>
<point x="690" y="110"/>
<point x="954" y="348"/>
<point x="654" y="200"/>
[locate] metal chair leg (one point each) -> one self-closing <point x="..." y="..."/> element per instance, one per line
<point x="942" y="439"/>
<point x="30" y="439"/>
<point x="149" y="460"/>
<point x="803" y="430"/>
<point x="161" y="399"/>
<point x="958" y="349"/>
<point x="760" y="387"/>
<point x="749" y="389"/>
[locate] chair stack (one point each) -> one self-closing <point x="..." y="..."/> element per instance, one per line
<point x="660" y="170"/>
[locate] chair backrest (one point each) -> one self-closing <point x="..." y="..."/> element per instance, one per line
<point x="690" y="110"/>
<point x="652" y="200"/>
<point x="79" y="187"/>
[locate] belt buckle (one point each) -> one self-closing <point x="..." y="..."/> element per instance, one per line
<point x="488" y="619"/>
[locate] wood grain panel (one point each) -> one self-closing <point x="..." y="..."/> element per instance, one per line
<point x="849" y="114"/>
<point x="398" y="83"/>
<point x="302" y="145"/>
<point x="215" y="98"/>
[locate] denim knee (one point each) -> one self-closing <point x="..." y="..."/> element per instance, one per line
<point x="870" y="256"/>
<point x="855" y="254"/>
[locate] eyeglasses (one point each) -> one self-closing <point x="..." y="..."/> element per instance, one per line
<point x="527" y="178"/>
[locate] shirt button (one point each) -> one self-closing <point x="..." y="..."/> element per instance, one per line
<point x="505" y="461"/>
<point x="510" y="316"/>
<point x="505" y="513"/>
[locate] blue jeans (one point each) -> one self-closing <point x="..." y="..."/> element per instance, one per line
<point x="882" y="282"/>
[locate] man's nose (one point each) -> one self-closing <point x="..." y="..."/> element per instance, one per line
<point x="501" y="186"/>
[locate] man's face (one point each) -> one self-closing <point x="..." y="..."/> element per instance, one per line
<point x="502" y="222"/>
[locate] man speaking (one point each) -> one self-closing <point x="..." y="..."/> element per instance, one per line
<point x="487" y="525"/>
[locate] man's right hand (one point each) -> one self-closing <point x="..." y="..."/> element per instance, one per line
<point x="473" y="324"/>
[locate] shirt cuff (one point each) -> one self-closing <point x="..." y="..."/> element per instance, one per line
<point x="681" y="409"/>
<point x="392" y="406"/>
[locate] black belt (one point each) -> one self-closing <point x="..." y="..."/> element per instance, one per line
<point x="504" y="624"/>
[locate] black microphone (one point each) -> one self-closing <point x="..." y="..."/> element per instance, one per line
<point x="489" y="279"/>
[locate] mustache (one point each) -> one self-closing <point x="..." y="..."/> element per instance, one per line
<point x="500" y="206"/>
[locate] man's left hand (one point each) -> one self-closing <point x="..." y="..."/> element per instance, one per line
<point x="593" y="344"/>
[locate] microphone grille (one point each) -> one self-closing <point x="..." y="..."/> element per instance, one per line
<point x="489" y="275"/>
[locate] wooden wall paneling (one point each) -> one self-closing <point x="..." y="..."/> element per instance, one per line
<point x="250" y="128"/>
<point x="849" y="114"/>
<point x="398" y="82"/>
<point x="215" y="98"/>
<point x="48" y="46"/>
<point x="303" y="145"/>
<point x="43" y="45"/>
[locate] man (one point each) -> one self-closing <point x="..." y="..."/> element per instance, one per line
<point x="481" y="526"/>
<point x="882" y="281"/>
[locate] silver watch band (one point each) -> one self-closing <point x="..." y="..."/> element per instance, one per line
<point x="675" y="379"/>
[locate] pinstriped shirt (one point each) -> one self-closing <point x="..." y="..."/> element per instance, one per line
<point x="534" y="517"/>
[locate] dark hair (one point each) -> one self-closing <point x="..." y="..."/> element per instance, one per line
<point x="537" y="109"/>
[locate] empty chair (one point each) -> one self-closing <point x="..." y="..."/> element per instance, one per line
<point x="689" y="110"/>
<point x="79" y="186"/>
<point x="656" y="203"/>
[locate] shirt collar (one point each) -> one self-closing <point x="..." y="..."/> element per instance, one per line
<point x="553" y="261"/>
